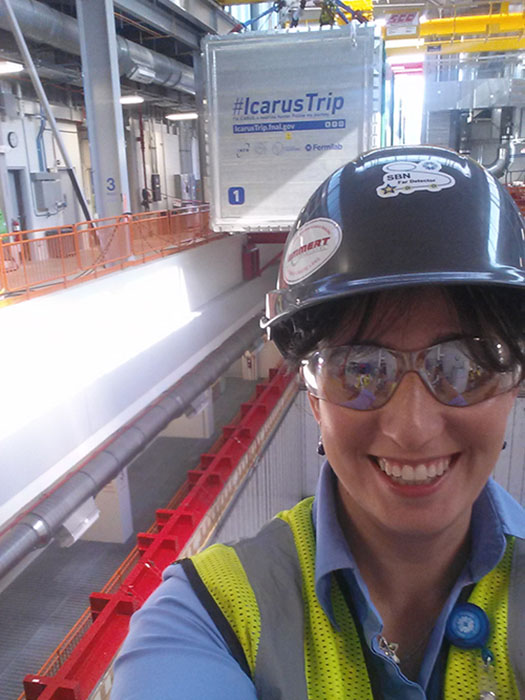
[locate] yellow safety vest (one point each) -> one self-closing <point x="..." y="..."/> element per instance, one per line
<point x="261" y="594"/>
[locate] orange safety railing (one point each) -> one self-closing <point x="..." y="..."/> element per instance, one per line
<point x="38" y="261"/>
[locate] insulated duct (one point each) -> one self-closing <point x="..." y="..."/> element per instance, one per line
<point x="37" y="528"/>
<point x="41" y="23"/>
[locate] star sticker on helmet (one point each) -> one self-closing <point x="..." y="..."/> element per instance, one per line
<point x="388" y="189"/>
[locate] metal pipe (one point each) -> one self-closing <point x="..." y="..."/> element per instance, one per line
<point x="30" y="67"/>
<point x="502" y="162"/>
<point x="40" y="149"/>
<point x="37" y="528"/>
<point x="142" y="147"/>
<point x="41" y="23"/>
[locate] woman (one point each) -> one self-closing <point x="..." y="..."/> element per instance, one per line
<point x="400" y="297"/>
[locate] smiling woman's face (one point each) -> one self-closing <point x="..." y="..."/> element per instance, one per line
<point x="374" y="452"/>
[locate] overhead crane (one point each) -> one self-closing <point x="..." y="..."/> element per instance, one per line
<point x="464" y="34"/>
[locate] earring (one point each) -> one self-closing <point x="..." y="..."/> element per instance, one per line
<point x="320" y="447"/>
<point x="504" y="444"/>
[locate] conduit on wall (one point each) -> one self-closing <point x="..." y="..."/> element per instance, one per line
<point x="37" y="528"/>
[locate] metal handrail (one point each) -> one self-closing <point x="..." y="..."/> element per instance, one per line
<point x="43" y="260"/>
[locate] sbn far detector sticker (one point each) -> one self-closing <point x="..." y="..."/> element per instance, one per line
<point x="407" y="177"/>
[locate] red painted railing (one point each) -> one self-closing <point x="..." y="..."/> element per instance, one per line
<point x="76" y="668"/>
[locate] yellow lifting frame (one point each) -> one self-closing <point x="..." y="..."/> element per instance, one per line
<point x="444" y="48"/>
<point x="474" y="24"/>
<point x="495" y="32"/>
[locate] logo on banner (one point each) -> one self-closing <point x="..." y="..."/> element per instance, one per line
<point x="323" y="147"/>
<point x="312" y="245"/>
<point x="407" y="177"/>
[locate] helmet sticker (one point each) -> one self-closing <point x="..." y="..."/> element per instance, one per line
<point x="311" y="246"/>
<point x="407" y="177"/>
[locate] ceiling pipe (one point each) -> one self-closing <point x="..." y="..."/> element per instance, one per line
<point x="41" y="23"/>
<point x="37" y="528"/>
<point x="500" y="165"/>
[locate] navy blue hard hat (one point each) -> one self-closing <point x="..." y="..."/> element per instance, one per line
<point x="398" y="217"/>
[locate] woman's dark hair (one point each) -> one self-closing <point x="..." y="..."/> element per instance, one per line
<point x="482" y="311"/>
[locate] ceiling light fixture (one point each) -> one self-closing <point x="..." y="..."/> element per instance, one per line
<point x="180" y="116"/>
<point x="10" y="67"/>
<point x="131" y="100"/>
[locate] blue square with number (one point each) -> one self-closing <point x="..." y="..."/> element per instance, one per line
<point x="236" y="195"/>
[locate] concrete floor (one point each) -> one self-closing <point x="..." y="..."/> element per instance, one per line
<point x="44" y="602"/>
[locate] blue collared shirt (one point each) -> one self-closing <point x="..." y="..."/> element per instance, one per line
<point x="175" y="651"/>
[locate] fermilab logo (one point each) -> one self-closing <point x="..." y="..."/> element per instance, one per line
<point x="311" y="246"/>
<point x="324" y="147"/>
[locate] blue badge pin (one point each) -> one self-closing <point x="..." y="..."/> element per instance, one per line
<point x="468" y="627"/>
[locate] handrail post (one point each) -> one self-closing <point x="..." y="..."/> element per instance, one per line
<point x="3" y="273"/>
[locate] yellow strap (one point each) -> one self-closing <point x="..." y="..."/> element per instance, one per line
<point x="220" y="569"/>
<point x="334" y="661"/>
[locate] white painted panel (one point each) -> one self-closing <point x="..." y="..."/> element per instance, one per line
<point x="285" y="473"/>
<point x="510" y="468"/>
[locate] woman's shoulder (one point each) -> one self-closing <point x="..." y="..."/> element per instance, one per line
<point x="174" y="650"/>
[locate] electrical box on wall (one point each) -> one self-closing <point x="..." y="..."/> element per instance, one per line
<point x="48" y="191"/>
<point x="7" y="104"/>
<point x="155" y="187"/>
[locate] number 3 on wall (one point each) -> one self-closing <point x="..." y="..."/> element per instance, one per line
<point x="110" y="184"/>
<point x="236" y="195"/>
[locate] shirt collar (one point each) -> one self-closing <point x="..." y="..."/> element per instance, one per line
<point x="495" y="514"/>
<point x="331" y="548"/>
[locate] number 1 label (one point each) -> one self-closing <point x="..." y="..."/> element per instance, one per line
<point x="236" y="195"/>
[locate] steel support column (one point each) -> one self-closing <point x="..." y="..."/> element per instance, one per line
<point x="198" y="72"/>
<point x="98" y="49"/>
<point x="5" y="203"/>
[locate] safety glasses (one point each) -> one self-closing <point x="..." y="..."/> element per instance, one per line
<point x="365" y="377"/>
